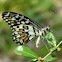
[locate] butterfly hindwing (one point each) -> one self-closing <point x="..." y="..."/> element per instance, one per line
<point x="23" y="29"/>
<point x="23" y="33"/>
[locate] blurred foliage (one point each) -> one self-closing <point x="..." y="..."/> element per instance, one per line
<point x="44" y="12"/>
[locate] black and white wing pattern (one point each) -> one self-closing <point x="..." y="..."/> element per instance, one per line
<point x="23" y="29"/>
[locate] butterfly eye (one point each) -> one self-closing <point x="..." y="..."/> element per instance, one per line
<point x="47" y="29"/>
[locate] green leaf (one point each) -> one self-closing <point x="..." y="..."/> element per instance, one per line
<point x="45" y="61"/>
<point x="50" y="39"/>
<point x="22" y="50"/>
<point x="50" y="58"/>
<point x="52" y="49"/>
<point x="34" y="60"/>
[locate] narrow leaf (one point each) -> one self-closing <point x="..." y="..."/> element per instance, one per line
<point x="22" y="50"/>
<point x="50" y="58"/>
<point x="34" y="60"/>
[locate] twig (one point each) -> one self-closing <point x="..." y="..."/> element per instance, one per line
<point x="47" y="55"/>
<point x="59" y="44"/>
<point x="40" y="59"/>
<point x="52" y="51"/>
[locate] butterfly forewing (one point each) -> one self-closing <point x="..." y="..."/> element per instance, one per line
<point x="14" y="19"/>
<point x="23" y="29"/>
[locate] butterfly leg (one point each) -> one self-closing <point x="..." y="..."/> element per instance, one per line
<point x="37" y="41"/>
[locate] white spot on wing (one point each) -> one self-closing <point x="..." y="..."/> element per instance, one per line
<point x="16" y="32"/>
<point x="18" y="36"/>
<point x="12" y="24"/>
<point x="7" y="14"/>
<point x="22" y="22"/>
<point x="17" y="39"/>
<point x="20" y="26"/>
<point x="26" y="30"/>
<point x="21" y="41"/>
<point x="14" y="38"/>
<point x="31" y="37"/>
<point x="6" y="19"/>
<point x="18" y="22"/>
<point x="27" y="21"/>
<point x="30" y="28"/>
<point x="17" y="29"/>
<point x="16" y="16"/>
<point x="31" y="33"/>
<point x="13" y="18"/>
<point x="22" y="16"/>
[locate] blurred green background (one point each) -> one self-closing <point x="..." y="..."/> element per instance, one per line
<point x="44" y="12"/>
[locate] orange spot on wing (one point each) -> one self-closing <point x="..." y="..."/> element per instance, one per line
<point x="25" y="27"/>
<point x="8" y="18"/>
<point x="19" y="32"/>
<point x="20" y="29"/>
<point x="12" y="21"/>
<point x="25" y="33"/>
<point x="25" y="41"/>
<point x="20" y="38"/>
<point x="21" y="35"/>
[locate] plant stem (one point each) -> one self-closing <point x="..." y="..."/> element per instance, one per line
<point x="52" y="51"/>
<point x="40" y="59"/>
<point x="47" y="55"/>
<point x="59" y="44"/>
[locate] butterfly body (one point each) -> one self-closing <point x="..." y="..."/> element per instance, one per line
<point x="23" y="28"/>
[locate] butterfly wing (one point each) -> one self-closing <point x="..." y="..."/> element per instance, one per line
<point x="14" y="19"/>
<point x="24" y="33"/>
<point x="23" y="29"/>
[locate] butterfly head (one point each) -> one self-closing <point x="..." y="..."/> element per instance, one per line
<point x="44" y="30"/>
<point x="47" y="28"/>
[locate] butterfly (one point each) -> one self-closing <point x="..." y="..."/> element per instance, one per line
<point x="23" y="28"/>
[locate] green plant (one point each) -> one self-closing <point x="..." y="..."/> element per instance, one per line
<point x="22" y="50"/>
